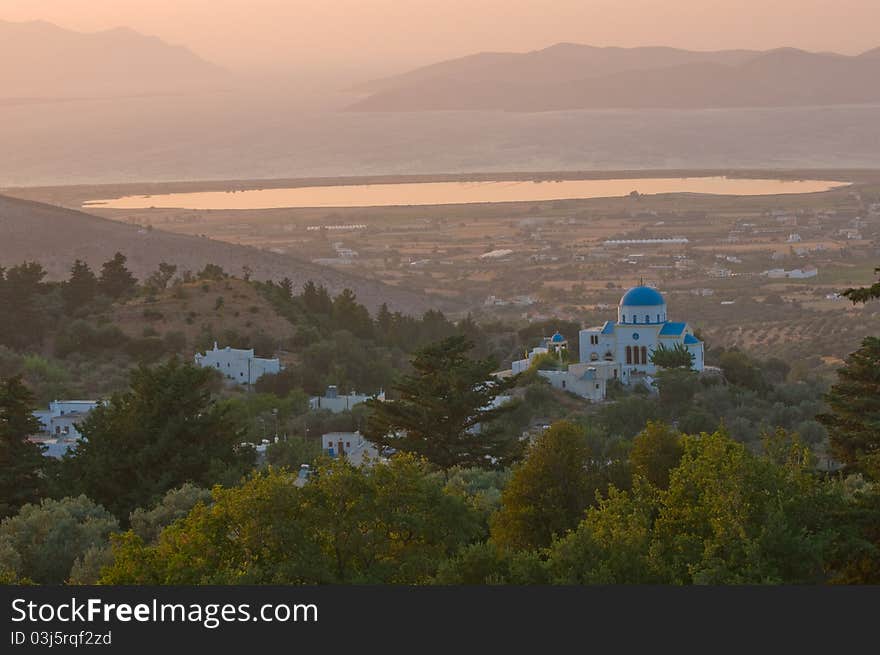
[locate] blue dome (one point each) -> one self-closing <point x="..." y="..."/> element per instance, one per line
<point x="642" y="297"/>
<point x="556" y="338"/>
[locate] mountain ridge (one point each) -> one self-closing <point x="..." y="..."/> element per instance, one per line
<point x="572" y="76"/>
<point x="52" y="61"/>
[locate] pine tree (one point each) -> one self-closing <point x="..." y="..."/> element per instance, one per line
<point x="316" y="298"/>
<point x="349" y="314"/>
<point x="81" y="288"/>
<point x="444" y="410"/>
<point x="21" y="461"/>
<point x="384" y="321"/>
<point x="853" y="421"/>
<point x="23" y="322"/>
<point x="116" y="280"/>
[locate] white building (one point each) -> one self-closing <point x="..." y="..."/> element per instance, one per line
<point x="618" y="350"/>
<point x="332" y="401"/>
<point x="60" y="424"/>
<point x="647" y="242"/>
<point x="587" y="380"/>
<point x="803" y="273"/>
<point x="555" y="344"/>
<point x="350" y="445"/>
<point x="796" y="273"/>
<point x="642" y="327"/>
<point x="521" y="365"/>
<point x="237" y="365"/>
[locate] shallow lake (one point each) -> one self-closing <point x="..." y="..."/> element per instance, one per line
<point x="450" y="193"/>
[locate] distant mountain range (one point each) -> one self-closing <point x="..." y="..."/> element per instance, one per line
<point x="42" y="60"/>
<point x="571" y="76"/>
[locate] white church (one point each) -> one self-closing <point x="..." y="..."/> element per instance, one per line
<point x="621" y="350"/>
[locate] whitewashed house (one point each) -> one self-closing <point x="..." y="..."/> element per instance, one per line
<point x="351" y="445"/>
<point x="587" y="380"/>
<point x="60" y="424"/>
<point x="237" y="365"/>
<point x="332" y="401"/>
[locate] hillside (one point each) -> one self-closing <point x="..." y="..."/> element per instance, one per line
<point x="51" y="62"/>
<point x="221" y="308"/>
<point x="55" y="237"/>
<point x="567" y="77"/>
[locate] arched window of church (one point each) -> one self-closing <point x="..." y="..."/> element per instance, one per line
<point x="635" y="319"/>
<point x="644" y="355"/>
<point x="658" y="318"/>
<point x="647" y="318"/>
<point x="629" y="355"/>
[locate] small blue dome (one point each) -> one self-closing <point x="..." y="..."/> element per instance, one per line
<point x="642" y="297"/>
<point x="557" y="338"/>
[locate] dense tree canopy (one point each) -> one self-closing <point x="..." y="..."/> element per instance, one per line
<point x="388" y="523"/>
<point x="728" y="517"/>
<point x="549" y="491"/>
<point x="163" y="432"/>
<point x="43" y="542"/>
<point x="175" y="504"/>
<point x="656" y="450"/>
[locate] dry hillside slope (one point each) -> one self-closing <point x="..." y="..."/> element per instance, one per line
<point x="220" y="308"/>
<point x="55" y="237"/>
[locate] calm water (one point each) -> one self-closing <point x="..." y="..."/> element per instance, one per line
<point x="271" y="131"/>
<point x="449" y="193"/>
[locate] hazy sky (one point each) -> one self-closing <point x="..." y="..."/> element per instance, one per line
<point x="398" y="34"/>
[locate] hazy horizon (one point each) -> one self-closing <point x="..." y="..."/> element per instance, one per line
<point x="73" y="114"/>
<point x="351" y="39"/>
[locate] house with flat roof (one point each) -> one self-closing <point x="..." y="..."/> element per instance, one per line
<point x="238" y="366"/>
<point x="60" y="425"/>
